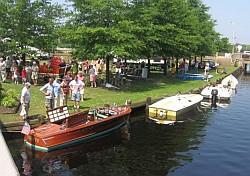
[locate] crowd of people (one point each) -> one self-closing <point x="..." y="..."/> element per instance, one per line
<point x="18" y="70"/>
<point x="56" y="93"/>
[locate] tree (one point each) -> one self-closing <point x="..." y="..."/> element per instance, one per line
<point x="100" y="28"/>
<point x="205" y="29"/>
<point x="223" y="45"/>
<point x="29" y="23"/>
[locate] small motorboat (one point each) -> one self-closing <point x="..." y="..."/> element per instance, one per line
<point x="64" y="130"/>
<point x="192" y="76"/>
<point x="170" y="109"/>
<point x="230" y="81"/>
<point x="224" y="93"/>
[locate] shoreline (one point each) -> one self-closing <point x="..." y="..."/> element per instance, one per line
<point x="16" y="125"/>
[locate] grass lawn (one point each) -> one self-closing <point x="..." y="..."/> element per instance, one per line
<point x="156" y="86"/>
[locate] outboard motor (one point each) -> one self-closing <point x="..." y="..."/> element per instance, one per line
<point x="214" y="93"/>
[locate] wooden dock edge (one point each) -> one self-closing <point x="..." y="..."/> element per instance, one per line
<point x="7" y="164"/>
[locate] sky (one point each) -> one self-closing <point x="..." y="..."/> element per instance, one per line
<point x="232" y="18"/>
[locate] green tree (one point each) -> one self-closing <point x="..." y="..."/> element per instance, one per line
<point x="29" y="23"/>
<point x="100" y="28"/>
<point x="205" y="29"/>
<point x="223" y="45"/>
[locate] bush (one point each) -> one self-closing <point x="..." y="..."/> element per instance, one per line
<point x="8" y="98"/>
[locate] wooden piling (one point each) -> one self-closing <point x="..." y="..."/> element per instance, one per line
<point x="148" y="102"/>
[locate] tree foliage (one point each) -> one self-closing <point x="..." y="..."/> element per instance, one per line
<point x="28" y="23"/>
<point x="141" y="29"/>
<point x="126" y="28"/>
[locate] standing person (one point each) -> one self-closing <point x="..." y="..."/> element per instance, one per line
<point x="34" y="74"/>
<point x="8" y="66"/>
<point x="76" y="86"/>
<point x="2" y="70"/>
<point x="92" y="76"/>
<point x="85" y="66"/>
<point x="16" y="75"/>
<point x="206" y="71"/>
<point x="29" y="72"/>
<point x="57" y="92"/>
<point x="25" y="101"/>
<point x="64" y="92"/>
<point x="196" y="66"/>
<point x="81" y="78"/>
<point x="48" y="91"/>
<point x="23" y="75"/>
<point x="186" y="67"/>
<point x="74" y="68"/>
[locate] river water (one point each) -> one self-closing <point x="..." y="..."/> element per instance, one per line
<point x="210" y="142"/>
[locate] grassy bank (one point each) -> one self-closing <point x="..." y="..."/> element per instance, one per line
<point x="156" y="86"/>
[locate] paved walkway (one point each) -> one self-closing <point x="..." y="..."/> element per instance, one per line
<point x="7" y="164"/>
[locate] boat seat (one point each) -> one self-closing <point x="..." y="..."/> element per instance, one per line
<point x="75" y="119"/>
<point x="102" y="116"/>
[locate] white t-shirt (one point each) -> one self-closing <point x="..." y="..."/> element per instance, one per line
<point x="76" y="86"/>
<point x="25" y="96"/>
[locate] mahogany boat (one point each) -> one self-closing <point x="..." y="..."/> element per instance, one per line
<point x="66" y="130"/>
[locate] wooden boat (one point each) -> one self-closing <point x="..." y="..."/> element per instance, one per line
<point x="170" y="109"/>
<point x="66" y="130"/>
<point x="224" y="93"/>
<point x="113" y="139"/>
<point x="230" y="81"/>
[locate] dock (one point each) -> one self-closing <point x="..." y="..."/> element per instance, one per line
<point x="7" y="164"/>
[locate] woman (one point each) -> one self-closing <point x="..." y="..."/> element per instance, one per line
<point x="92" y="76"/>
<point x="64" y="92"/>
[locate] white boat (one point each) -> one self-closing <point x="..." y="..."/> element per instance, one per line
<point x="230" y="81"/>
<point x="169" y="109"/>
<point x="224" y="93"/>
<point x="205" y="104"/>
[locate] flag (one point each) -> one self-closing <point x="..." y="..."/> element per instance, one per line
<point x="26" y="128"/>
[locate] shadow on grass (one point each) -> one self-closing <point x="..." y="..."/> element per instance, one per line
<point x="155" y="81"/>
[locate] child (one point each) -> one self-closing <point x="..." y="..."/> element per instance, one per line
<point x="16" y="75"/>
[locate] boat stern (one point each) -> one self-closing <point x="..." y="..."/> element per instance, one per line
<point x="35" y="143"/>
<point x="162" y="114"/>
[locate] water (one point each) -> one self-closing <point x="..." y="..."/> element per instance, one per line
<point x="209" y="142"/>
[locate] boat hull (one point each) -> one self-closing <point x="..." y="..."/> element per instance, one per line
<point x="224" y="93"/>
<point x="230" y="81"/>
<point x="58" y="137"/>
<point x="165" y="112"/>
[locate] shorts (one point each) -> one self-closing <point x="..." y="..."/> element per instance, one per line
<point x="49" y="103"/>
<point x="34" y="75"/>
<point x="76" y="96"/>
<point x="92" y="78"/>
<point x="82" y="91"/>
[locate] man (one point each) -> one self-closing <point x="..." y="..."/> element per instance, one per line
<point x="76" y="86"/>
<point x="48" y="91"/>
<point x="57" y="91"/>
<point x="25" y="101"/>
